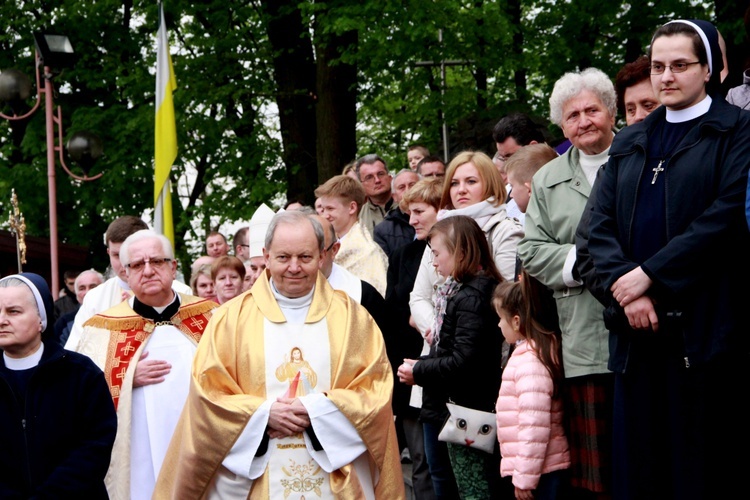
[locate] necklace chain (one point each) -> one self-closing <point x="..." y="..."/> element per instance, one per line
<point x="662" y="157"/>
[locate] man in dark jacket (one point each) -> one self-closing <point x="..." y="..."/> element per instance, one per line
<point x="395" y="230"/>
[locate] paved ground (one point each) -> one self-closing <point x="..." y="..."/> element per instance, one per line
<point x="406" y="469"/>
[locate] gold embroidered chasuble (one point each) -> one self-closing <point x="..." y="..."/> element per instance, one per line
<point x="115" y="340"/>
<point x="229" y="385"/>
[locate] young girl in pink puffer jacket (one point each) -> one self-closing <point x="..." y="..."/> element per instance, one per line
<point x="529" y="408"/>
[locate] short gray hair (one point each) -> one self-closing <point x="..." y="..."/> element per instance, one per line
<point x="573" y="83"/>
<point x="402" y="171"/>
<point x="84" y="273"/>
<point x="144" y="234"/>
<point x="294" y="217"/>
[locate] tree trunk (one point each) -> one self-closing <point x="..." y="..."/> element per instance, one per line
<point x="337" y="105"/>
<point x="294" y="72"/>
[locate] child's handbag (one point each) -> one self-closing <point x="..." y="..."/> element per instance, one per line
<point x="473" y="428"/>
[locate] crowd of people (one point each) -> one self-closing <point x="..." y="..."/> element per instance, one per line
<point x="539" y="323"/>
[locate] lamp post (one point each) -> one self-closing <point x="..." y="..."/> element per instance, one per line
<point x="53" y="52"/>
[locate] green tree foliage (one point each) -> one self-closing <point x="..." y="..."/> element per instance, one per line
<point x="275" y="96"/>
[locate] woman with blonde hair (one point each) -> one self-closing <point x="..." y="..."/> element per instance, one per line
<point x="472" y="187"/>
<point x="202" y="284"/>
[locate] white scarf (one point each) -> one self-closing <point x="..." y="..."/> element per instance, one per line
<point x="481" y="212"/>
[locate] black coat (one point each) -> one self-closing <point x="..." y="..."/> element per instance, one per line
<point x="706" y="182"/>
<point x="375" y="305"/>
<point x="465" y="365"/>
<point x="58" y="444"/>
<point x="402" y="341"/>
<point x="394" y="231"/>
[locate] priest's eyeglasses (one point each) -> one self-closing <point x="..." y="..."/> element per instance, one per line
<point x="155" y="263"/>
<point x="678" y="67"/>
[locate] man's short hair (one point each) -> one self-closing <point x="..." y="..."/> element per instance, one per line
<point x="214" y="233"/>
<point x="240" y="237"/>
<point x="122" y="227"/>
<point x="144" y="234"/>
<point x="429" y="159"/>
<point x="344" y="187"/>
<point x="631" y="74"/>
<point x="402" y="171"/>
<point x="368" y="160"/>
<point x="70" y="274"/>
<point x="83" y="274"/>
<point x="294" y="217"/>
<point x="525" y="162"/>
<point x="520" y="127"/>
<point x="331" y="229"/>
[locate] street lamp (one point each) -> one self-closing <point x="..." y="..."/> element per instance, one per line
<point x="53" y="53"/>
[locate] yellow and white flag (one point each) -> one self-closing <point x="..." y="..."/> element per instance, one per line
<point x="165" y="146"/>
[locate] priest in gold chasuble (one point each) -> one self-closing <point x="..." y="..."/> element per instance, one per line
<point x="291" y="390"/>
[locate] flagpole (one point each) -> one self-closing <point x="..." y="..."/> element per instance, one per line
<point x="165" y="136"/>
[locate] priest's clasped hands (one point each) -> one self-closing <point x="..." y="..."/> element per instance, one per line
<point x="287" y="417"/>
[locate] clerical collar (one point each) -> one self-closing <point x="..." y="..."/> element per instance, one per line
<point x="687" y="114"/>
<point x="289" y="302"/>
<point x="123" y="284"/>
<point x="29" y="361"/>
<point x="294" y="309"/>
<point x="156" y="314"/>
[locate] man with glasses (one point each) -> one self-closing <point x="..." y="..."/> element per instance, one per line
<point x="376" y="180"/>
<point x="115" y="289"/>
<point x="145" y="346"/>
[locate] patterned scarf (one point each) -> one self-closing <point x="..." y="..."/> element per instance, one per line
<point x="443" y="293"/>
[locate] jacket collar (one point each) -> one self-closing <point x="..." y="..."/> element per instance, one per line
<point x="721" y="117"/>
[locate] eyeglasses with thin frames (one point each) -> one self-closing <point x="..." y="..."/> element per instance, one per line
<point x="155" y="263"/>
<point x="678" y="67"/>
<point x="371" y="177"/>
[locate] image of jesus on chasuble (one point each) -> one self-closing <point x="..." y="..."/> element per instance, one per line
<point x="250" y="355"/>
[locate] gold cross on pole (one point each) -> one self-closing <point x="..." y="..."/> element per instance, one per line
<point x="18" y="228"/>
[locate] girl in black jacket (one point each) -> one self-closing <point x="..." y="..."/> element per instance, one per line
<point x="463" y="365"/>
